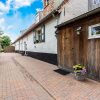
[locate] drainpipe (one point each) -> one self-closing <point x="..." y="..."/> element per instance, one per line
<point x="56" y="16"/>
<point x="25" y="53"/>
<point x="25" y="49"/>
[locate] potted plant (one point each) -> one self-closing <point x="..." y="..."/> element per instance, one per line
<point x="80" y="72"/>
<point x="37" y="41"/>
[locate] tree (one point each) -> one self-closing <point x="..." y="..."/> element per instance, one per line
<point x="1" y="33"/>
<point x="5" y="41"/>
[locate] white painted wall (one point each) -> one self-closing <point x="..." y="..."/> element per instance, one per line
<point x="73" y="8"/>
<point x="25" y="39"/>
<point x="17" y="45"/>
<point x="57" y="3"/>
<point x="30" y="42"/>
<point x="50" y="44"/>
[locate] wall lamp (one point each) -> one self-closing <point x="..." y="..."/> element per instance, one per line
<point x="78" y="30"/>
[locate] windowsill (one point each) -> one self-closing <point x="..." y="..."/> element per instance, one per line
<point x="39" y="42"/>
<point x="93" y="37"/>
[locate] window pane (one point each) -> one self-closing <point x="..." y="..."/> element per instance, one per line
<point x="37" y="36"/>
<point x="34" y="35"/>
<point x="96" y="1"/>
<point x="42" y="37"/>
<point x="47" y="2"/>
<point x="43" y="33"/>
<point x="96" y="30"/>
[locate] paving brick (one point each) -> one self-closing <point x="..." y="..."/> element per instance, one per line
<point x="60" y="87"/>
<point x="25" y="78"/>
<point x="14" y="85"/>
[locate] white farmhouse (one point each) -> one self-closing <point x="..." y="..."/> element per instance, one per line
<point x="39" y="40"/>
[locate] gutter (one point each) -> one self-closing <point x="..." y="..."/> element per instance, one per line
<point x="31" y="28"/>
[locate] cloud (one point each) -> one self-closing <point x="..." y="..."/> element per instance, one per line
<point x="10" y="27"/>
<point x="5" y="7"/>
<point x="2" y="20"/>
<point x="13" y="24"/>
<point x="39" y="9"/>
<point x="21" y="3"/>
<point x="1" y="13"/>
<point x="14" y="4"/>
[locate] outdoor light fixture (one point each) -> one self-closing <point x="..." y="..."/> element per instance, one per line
<point x="56" y="32"/>
<point x="78" y="30"/>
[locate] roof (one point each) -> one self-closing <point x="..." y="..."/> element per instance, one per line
<point x="97" y="10"/>
<point x="32" y="27"/>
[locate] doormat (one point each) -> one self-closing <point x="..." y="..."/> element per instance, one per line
<point x="62" y="72"/>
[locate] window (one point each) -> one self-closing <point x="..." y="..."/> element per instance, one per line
<point x="96" y="2"/>
<point x="94" y="31"/>
<point x="46" y="2"/>
<point x="25" y="46"/>
<point x="39" y="35"/>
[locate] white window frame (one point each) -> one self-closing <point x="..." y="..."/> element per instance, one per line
<point x="39" y="37"/>
<point x="97" y="2"/>
<point x="90" y="32"/>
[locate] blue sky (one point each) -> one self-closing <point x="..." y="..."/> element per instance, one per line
<point x="17" y="15"/>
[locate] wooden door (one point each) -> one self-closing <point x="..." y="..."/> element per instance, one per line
<point x="65" y="48"/>
<point x="70" y="48"/>
<point x="78" y="47"/>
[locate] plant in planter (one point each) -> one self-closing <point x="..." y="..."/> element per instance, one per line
<point x="80" y="72"/>
<point x="37" y="41"/>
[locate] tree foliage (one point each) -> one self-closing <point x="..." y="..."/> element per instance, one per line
<point x="5" y="41"/>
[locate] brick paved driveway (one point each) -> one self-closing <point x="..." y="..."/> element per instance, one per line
<point x="15" y="84"/>
<point x="25" y="78"/>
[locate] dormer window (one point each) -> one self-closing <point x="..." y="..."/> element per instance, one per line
<point x="96" y="2"/>
<point x="46" y="2"/>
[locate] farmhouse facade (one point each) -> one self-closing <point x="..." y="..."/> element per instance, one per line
<point x="39" y="41"/>
<point x="64" y="28"/>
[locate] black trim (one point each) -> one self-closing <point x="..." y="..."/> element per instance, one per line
<point x="21" y="52"/>
<point x="47" y="57"/>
